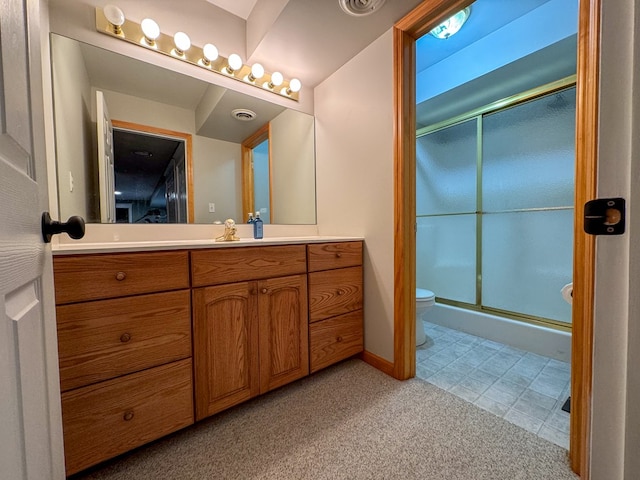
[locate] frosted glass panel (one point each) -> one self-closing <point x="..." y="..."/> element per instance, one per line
<point x="528" y="154"/>
<point x="446" y="256"/>
<point x="526" y="260"/>
<point x="446" y="170"/>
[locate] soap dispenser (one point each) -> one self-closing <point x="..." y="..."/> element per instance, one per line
<point x="257" y="227"/>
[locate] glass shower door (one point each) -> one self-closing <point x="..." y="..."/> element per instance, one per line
<point x="527" y="198"/>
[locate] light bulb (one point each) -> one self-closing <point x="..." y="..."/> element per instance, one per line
<point x="151" y="30"/>
<point x="234" y="63"/>
<point x="257" y="71"/>
<point x="276" y="80"/>
<point x="294" y="86"/>
<point x="182" y="41"/>
<point x="210" y="53"/>
<point x="115" y="17"/>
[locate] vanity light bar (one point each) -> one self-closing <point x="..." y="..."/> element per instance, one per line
<point x="131" y="32"/>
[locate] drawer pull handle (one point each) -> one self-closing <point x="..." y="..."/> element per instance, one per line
<point x="338" y="255"/>
<point x="264" y="290"/>
<point x="120" y="276"/>
<point x="338" y="339"/>
<point x="128" y="415"/>
<point x="340" y="292"/>
<point x="125" y="337"/>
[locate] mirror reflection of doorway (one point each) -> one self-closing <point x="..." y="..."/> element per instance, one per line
<point x="151" y="170"/>
<point x="256" y="174"/>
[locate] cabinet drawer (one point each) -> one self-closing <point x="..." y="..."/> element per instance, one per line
<point x="334" y="292"/>
<point x="228" y="265"/>
<point x="106" y="419"/>
<point x="106" y="338"/>
<point x="326" y="256"/>
<point x="335" y="339"/>
<point x="92" y="277"/>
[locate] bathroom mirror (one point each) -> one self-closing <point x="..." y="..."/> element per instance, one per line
<point x="175" y="144"/>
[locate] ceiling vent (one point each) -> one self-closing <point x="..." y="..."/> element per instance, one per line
<point x="360" y="8"/>
<point x="243" y="114"/>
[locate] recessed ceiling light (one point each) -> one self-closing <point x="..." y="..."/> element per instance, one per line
<point x="451" y="25"/>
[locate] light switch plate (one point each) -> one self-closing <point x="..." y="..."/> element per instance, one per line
<point x="212" y="208"/>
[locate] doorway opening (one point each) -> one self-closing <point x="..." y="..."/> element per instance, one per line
<point x="152" y="174"/>
<point x="494" y="210"/>
<point x="417" y="23"/>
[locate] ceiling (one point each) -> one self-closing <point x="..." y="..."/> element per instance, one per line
<point x="240" y="8"/>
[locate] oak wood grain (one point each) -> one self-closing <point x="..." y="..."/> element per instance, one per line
<point x="325" y="256"/>
<point x="334" y="292"/>
<point x="228" y="265"/>
<point x="284" y="340"/>
<point x="226" y="361"/>
<point x="335" y="339"/>
<point x="108" y="418"/>
<point x="100" y="276"/>
<point x="108" y="338"/>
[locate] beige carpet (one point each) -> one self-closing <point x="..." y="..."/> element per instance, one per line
<point x="347" y="422"/>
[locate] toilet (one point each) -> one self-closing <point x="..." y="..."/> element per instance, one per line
<point x="424" y="301"/>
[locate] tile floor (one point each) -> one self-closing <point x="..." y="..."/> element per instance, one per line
<point x="521" y="387"/>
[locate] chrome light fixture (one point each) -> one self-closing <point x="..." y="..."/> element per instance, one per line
<point x="451" y="25"/>
<point x="112" y="21"/>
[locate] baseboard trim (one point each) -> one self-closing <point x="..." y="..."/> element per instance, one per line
<point x="380" y="363"/>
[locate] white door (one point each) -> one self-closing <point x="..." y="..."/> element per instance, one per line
<point x="106" y="172"/>
<point x="30" y="418"/>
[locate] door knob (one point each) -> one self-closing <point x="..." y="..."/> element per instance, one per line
<point x="74" y="227"/>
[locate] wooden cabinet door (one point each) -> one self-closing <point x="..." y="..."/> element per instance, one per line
<point x="284" y="344"/>
<point x="225" y="346"/>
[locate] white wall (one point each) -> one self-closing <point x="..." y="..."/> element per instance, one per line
<point x="354" y="175"/>
<point x="217" y="178"/>
<point x="293" y="167"/>
<point x="73" y="129"/>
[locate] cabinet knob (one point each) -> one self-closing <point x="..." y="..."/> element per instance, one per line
<point x="340" y="292"/>
<point x="128" y="415"/>
<point x="120" y="276"/>
<point x="338" y="255"/>
<point x="264" y="290"/>
<point x="338" y="339"/>
<point x="125" y="337"/>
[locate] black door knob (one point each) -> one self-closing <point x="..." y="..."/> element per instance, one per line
<point x="74" y="227"/>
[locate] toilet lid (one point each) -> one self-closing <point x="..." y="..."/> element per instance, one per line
<point x="422" y="294"/>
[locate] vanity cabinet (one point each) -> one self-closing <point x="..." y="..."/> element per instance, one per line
<point x="151" y="341"/>
<point x="124" y="344"/>
<point x="335" y="302"/>
<point x="250" y="323"/>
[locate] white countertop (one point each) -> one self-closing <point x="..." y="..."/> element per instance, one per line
<point x="110" y="247"/>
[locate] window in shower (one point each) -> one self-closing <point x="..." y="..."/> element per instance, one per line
<point x="494" y="206"/>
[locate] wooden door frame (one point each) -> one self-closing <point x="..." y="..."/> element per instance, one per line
<point x="188" y="152"/>
<point x="247" y="146"/>
<point x="405" y="32"/>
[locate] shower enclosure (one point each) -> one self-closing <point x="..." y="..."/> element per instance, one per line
<point x="494" y="206"/>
